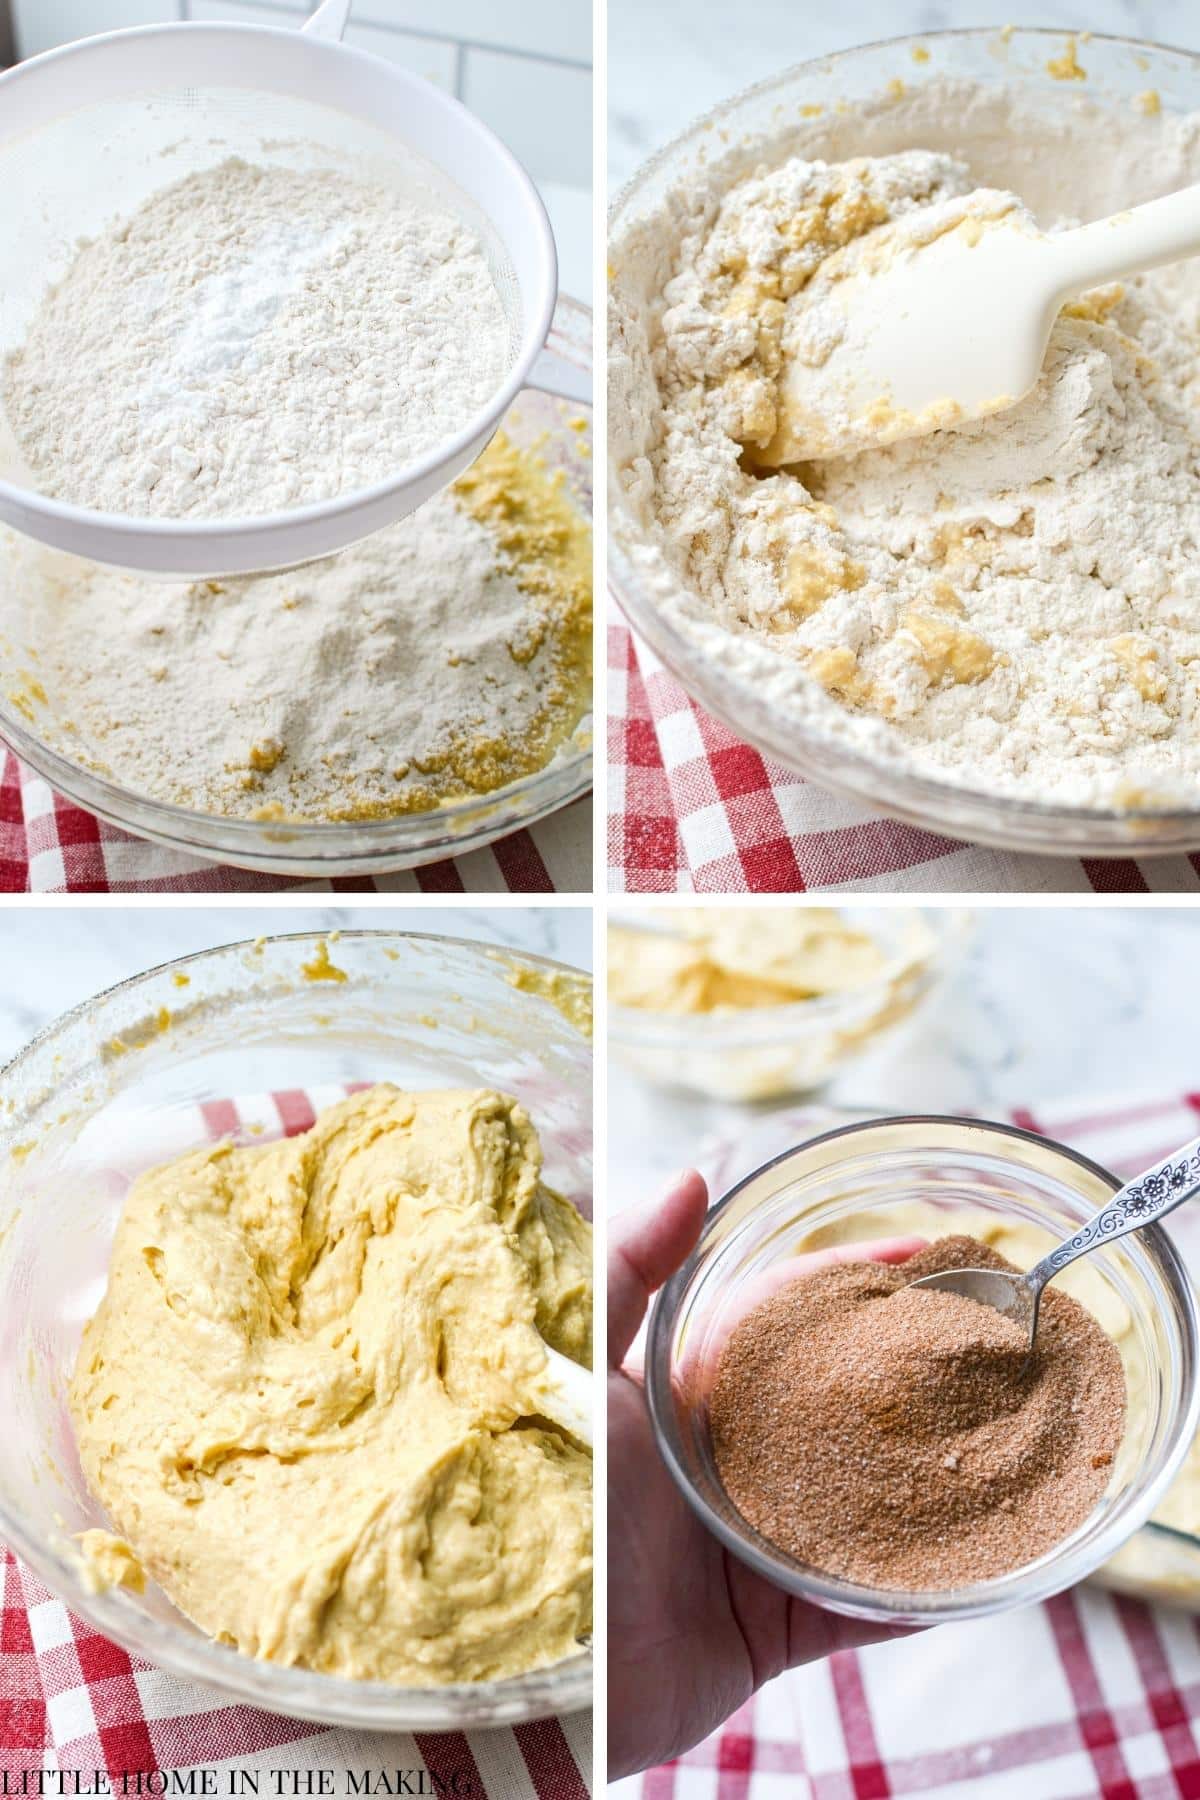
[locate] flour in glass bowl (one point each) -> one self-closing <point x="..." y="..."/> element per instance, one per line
<point x="1012" y="605"/>
<point x="444" y="657"/>
<point x="253" y="339"/>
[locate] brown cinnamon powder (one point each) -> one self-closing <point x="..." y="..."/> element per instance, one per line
<point x="891" y="1435"/>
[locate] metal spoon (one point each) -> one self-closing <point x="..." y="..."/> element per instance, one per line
<point x="1151" y="1195"/>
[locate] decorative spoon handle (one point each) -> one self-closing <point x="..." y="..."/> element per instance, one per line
<point x="1151" y="1195"/>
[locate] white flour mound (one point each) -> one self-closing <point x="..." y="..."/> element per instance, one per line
<point x="1013" y="605"/>
<point x="254" y="339"/>
<point x="406" y="670"/>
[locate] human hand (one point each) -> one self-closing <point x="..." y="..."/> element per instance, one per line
<point x="692" y="1632"/>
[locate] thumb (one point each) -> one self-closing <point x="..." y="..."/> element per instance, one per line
<point x="646" y="1246"/>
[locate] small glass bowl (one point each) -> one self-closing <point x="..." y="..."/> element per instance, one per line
<point x="766" y="1052"/>
<point x="953" y="1164"/>
<point x="333" y="848"/>
<point x="809" y="109"/>
<point x="114" y="1087"/>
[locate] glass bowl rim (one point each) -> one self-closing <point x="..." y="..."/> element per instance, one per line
<point x="862" y="777"/>
<point x="337" y="934"/>
<point x="330" y="1699"/>
<point x="1031" y="1582"/>
<point x="251" y="843"/>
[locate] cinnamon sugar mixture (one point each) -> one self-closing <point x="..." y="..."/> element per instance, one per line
<point x="890" y="1435"/>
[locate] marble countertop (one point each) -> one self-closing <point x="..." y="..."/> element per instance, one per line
<point x="1049" y="1004"/>
<point x="55" y="958"/>
<point x="671" y="60"/>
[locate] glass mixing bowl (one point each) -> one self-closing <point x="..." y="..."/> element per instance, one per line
<point x="764" y="1052"/>
<point x="953" y="1164"/>
<point x="118" y="1084"/>
<point x="368" y="847"/>
<point x="730" y="138"/>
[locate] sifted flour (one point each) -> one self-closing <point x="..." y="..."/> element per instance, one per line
<point x="253" y="339"/>
<point x="1012" y="604"/>
<point x="445" y="656"/>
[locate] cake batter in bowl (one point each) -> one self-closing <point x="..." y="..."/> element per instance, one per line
<point x="989" y="631"/>
<point x="231" y="1042"/>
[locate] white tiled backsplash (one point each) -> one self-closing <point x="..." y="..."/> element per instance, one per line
<point x="524" y="67"/>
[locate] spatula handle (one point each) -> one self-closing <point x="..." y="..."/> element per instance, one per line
<point x="1145" y="237"/>
<point x="568" y="1397"/>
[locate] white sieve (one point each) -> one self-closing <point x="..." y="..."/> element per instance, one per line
<point x="88" y="132"/>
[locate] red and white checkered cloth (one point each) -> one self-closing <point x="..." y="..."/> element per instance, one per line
<point x="692" y="809"/>
<point x="50" y="846"/>
<point x="73" y="1700"/>
<point x="1088" y="1695"/>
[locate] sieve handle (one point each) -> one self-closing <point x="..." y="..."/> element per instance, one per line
<point x="329" y="20"/>
<point x="551" y="374"/>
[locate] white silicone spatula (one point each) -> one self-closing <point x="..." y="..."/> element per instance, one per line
<point x="567" y="1396"/>
<point x="917" y="337"/>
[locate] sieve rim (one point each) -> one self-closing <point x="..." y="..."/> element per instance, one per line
<point x="19" y="504"/>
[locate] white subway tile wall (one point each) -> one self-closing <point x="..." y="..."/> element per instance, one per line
<point x="542" y="111"/>
<point x="41" y="24"/>
<point x="525" y="69"/>
<point x="433" y="58"/>
<point x="232" y="12"/>
<point x="542" y="27"/>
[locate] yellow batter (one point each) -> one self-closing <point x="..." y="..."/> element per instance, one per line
<point x="308" y="1399"/>
<point x="569" y="993"/>
<point x="726" y="958"/>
